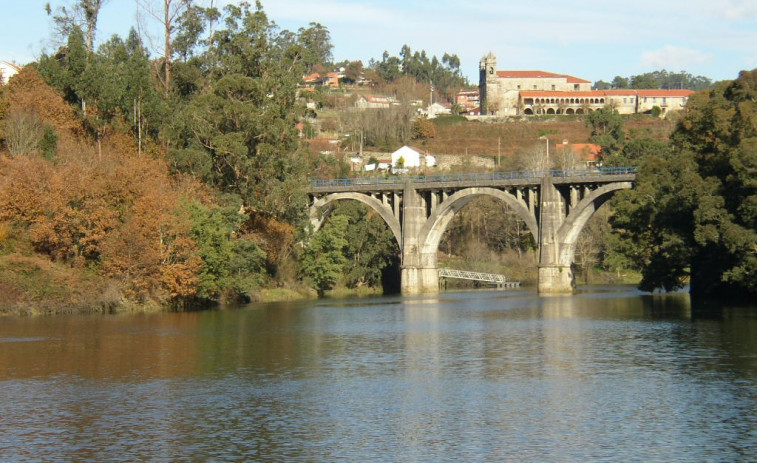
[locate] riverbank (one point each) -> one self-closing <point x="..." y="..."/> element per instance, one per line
<point x="33" y="285"/>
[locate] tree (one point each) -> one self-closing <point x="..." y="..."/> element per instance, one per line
<point x="693" y="214"/>
<point x="602" y="85"/>
<point x="353" y="71"/>
<point x="323" y="258"/>
<point x="168" y="15"/>
<point x="620" y="83"/>
<point x="231" y="267"/>
<point x="606" y="126"/>
<point x="371" y="246"/>
<point x="129" y="93"/>
<point x="423" y="129"/>
<point x="83" y="13"/>
<point x="23" y="133"/>
<point x="636" y="151"/>
<point x="316" y="41"/>
<point x="239" y="133"/>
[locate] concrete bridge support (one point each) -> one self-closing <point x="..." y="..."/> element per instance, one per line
<point x="419" y="268"/>
<point x="555" y="273"/>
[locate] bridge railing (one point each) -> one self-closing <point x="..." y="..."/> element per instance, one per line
<point x="472" y="178"/>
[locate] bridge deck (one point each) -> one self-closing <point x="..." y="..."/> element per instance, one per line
<point x="398" y="182"/>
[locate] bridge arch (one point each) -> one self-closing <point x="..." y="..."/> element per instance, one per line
<point x="435" y="226"/>
<point x="574" y="223"/>
<point x="316" y="219"/>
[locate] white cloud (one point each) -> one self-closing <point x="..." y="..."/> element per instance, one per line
<point x="674" y="58"/>
<point x="734" y="10"/>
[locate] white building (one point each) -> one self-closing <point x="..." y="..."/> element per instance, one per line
<point x="408" y="158"/>
<point x="7" y="70"/>
<point x="375" y="102"/>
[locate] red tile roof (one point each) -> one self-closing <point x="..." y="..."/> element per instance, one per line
<point x="604" y="93"/>
<point x="547" y="93"/>
<point x="665" y="93"/>
<point x="540" y="75"/>
<point x="585" y="151"/>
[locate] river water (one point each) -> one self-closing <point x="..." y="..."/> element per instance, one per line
<point x="608" y="374"/>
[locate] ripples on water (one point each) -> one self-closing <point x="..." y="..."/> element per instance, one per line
<point x="607" y="375"/>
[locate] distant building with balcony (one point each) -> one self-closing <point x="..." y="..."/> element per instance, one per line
<point x="468" y="100"/>
<point x="519" y="93"/>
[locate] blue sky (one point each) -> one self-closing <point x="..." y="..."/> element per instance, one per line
<point x="590" y="39"/>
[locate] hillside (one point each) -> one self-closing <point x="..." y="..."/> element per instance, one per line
<point x="460" y="137"/>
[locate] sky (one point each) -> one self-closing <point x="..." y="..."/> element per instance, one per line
<point x="590" y="39"/>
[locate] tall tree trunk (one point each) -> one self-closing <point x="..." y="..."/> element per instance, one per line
<point x="91" y="11"/>
<point x="168" y="24"/>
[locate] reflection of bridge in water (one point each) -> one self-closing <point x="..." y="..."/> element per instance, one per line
<point x="554" y="204"/>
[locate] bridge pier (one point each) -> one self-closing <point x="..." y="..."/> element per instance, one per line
<point x="420" y="280"/>
<point x="555" y="272"/>
<point x="419" y="269"/>
<point x="556" y="279"/>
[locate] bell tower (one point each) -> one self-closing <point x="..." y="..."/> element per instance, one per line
<point x="487" y="79"/>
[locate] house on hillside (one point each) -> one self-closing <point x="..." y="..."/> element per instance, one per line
<point x="436" y="109"/>
<point x="407" y="158"/>
<point x="375" y="102"/>
<point x="468" y="100"/>
<point x="7" y="70"/>
<point x="586" y="153"/>
<point x="311" y="80"/>
<point x="332" y="79"/>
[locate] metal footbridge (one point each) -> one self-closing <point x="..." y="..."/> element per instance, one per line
<point x="500" y="280"/>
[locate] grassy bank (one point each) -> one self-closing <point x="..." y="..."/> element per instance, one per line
<point x="32" y="285"/>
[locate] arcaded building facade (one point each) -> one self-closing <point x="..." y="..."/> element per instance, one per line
<point x="519" y="93"/>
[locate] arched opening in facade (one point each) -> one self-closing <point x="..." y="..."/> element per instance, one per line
<point x="569" y="111"/>
<point x="551" y="111"/>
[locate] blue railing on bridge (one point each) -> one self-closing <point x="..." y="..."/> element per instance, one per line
<point x="480" y="177"/>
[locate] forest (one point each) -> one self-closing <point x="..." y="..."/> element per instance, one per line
<point x="178" y="181"/>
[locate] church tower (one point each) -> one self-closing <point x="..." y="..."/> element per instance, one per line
<point x="487" y="79"/>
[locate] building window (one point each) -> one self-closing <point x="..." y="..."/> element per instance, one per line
<point x="534" y="86"/>
<point x="518" y="87"/>
<point x="553" y="88"/>
<point x="576" y="87"/>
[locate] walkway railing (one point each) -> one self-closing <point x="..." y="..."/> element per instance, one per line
<point x="471" y="178"/>
<point x="499" y="280"/>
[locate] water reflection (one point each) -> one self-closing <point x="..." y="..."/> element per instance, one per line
<point x="607" y="374"/>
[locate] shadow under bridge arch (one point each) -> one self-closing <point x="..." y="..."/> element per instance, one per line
<point x="437" y="223"/>
<point x="319" y="211"/>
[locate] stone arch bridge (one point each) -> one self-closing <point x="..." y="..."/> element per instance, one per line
<point x="554" y="204"/>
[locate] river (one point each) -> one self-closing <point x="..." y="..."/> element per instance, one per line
<point x="608" y="374"/>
